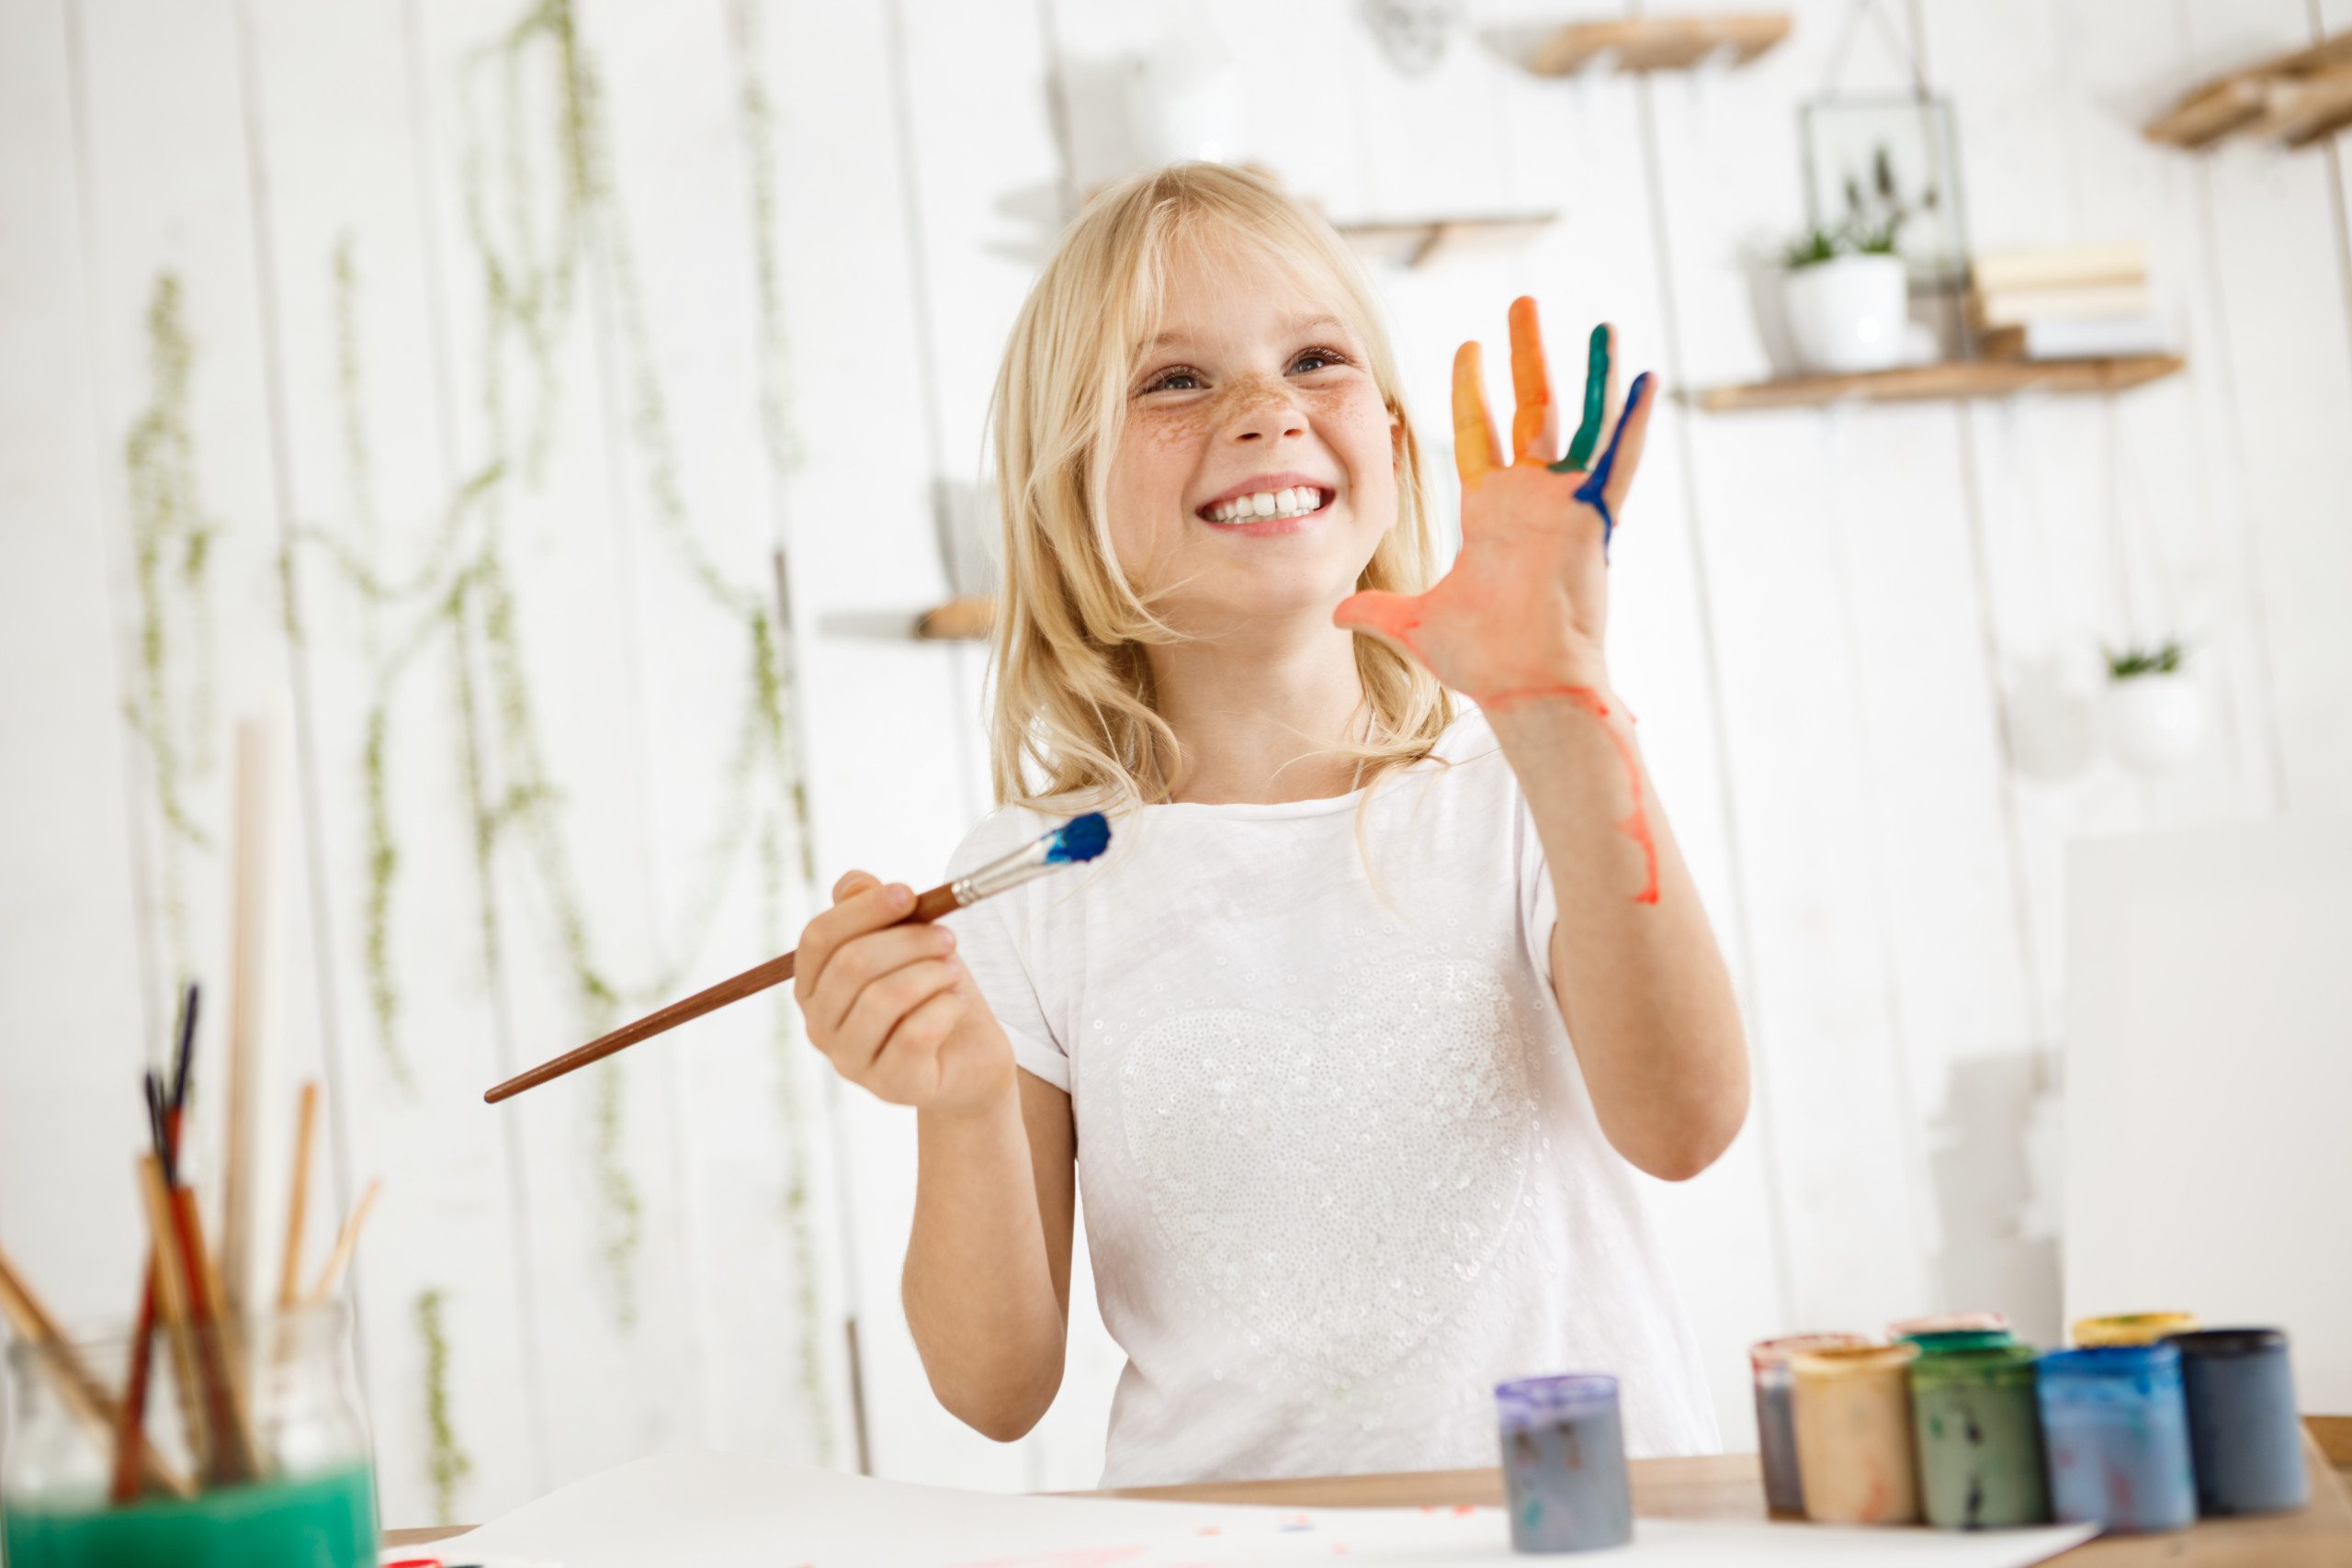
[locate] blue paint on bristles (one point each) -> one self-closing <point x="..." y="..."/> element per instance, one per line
<point x="1080" y="839"/>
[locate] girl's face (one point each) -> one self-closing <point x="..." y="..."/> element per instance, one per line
<point x="1257" y="471"/>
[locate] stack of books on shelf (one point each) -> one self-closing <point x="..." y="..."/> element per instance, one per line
<point x="2083" y="302"/>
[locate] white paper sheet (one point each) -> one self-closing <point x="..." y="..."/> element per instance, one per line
<point x="731" y="1511"/>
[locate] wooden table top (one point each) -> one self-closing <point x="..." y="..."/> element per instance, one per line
<point x="1729" y="1486"/>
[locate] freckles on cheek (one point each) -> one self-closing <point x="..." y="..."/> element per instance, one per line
<point x="1174" y="429"/>
<point x="1355" y="424"/>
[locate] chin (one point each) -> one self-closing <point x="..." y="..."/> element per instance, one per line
<point x="1276" y="595"/>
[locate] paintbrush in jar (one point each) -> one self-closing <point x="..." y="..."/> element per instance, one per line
<point x="1080" y="839"/>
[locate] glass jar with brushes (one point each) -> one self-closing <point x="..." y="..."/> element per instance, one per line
<point x="226" y="1443"/>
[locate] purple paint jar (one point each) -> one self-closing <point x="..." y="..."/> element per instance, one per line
<point x="1564" y="1463"/>
<point x="2116" y="1430"/>
<point x="2243" y="1429"/>
<point x="1776" y="1432"/>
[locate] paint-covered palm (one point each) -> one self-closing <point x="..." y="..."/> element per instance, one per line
<point x="1524" y="608"/>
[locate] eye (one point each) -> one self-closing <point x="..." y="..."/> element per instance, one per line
<point x="1319" y="359"/>
<point x="1175" y="379"/>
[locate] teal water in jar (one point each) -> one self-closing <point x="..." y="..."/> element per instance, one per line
<point x="326" y="1520"/>
<point x="1979" y="1432"/>
<point x="257" y="1455"/>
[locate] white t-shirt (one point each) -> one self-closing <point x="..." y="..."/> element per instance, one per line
<point x="1337" y="1166"/>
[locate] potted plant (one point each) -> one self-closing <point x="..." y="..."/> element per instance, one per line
<point x="2155" y="716"/>
<point x="1846" y="298"/>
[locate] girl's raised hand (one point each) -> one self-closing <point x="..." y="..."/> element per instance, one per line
<point x="1523" y="610"/>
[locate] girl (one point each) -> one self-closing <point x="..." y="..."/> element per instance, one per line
<point x="1305" y="1033"/>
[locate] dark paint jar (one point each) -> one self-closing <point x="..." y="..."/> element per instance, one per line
<point x="2243" y="1429"/>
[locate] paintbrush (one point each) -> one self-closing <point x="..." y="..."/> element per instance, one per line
<point x="248" y="934"/>
<point x="1080" y="839"/>
<point x="298" y="1199"/>
<point x="163" y="1109"/>
<point x="346" y="1242"/>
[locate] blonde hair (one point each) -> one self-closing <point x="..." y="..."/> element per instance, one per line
<point x="1072" y="694"/>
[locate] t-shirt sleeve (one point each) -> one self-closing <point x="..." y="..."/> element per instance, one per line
<point x="990" y="939"/>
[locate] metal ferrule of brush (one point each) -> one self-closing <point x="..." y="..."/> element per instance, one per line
<point x="1026" y="863"/>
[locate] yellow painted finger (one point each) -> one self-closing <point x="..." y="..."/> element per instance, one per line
<point x="1534" y="421"/>
<point x="1474" y="428"/>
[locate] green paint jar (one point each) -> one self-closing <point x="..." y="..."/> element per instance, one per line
<point x="257" y="1456"/>
<point x="1978" y="1432"/>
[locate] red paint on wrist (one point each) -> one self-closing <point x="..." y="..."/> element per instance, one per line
<point x="1635" y="824"/>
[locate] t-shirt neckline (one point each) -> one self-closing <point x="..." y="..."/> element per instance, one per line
<point x="1320" y="806"/>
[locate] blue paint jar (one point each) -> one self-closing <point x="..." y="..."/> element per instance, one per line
<point x="2243" y="1429"/>
<point x="2115" y="1427"/>
<point x="1564" y="1463"/>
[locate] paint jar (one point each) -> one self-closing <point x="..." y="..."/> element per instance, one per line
<point x="1775" y="1437"/>
<point x="1915" y="1329"/>
<point x="1950" y="1339"/>
<point x="2132" y="1328"/>
<point x="258" y="1452"/>
<point x="1979" y="1432"/>
<point x="1564" y="1463"/>
<point x="2243" y="1434"/>
<point x="1855" y="1453"/>
<point x="2115" y="1429"/>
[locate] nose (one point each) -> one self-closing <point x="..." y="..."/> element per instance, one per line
<point x="1262" y="410"/>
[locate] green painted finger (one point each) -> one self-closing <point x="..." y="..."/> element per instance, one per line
<point x="1596" y="392"/>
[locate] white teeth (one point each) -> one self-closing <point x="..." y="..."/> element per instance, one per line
<point x="1289" y="502"/>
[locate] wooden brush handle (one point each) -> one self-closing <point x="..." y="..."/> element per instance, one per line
<point x="940" y="900"/>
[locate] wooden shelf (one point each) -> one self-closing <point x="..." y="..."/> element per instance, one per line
<point x="2295" y="98"/>
<point x="1957" y="378"/>
<point x="1659" y="43"/>
<point x="1419" y="241"/>
<point x="967" y="619"/>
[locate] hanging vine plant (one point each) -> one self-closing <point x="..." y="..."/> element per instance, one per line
<point x="534" y="240"/>
<point x="169" y="704"/>
<point x="447" y="1463"/>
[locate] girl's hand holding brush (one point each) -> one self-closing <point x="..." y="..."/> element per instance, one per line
<point x="892" y="1006"/>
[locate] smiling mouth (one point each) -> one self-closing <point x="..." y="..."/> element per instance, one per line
<point x="1299" y="500"/>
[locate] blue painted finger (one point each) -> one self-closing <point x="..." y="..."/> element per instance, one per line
<point x="1594" y="491"/>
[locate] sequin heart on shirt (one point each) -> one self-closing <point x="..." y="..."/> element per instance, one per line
<point x="1340" y="1182"/>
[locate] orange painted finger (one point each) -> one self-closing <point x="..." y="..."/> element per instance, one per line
<point x="1474" y="428"/>
<point x="1535" y="420"/>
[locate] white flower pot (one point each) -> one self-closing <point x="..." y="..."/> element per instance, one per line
<point x="2155" y="723"/>
<point x="1847" y="314"/>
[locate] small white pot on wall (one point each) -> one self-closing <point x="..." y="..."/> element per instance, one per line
<point x="2154" y="722"/>
<point x="1848" y="314"/>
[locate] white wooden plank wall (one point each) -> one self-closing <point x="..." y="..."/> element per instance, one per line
<point x="528" y="380"/>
